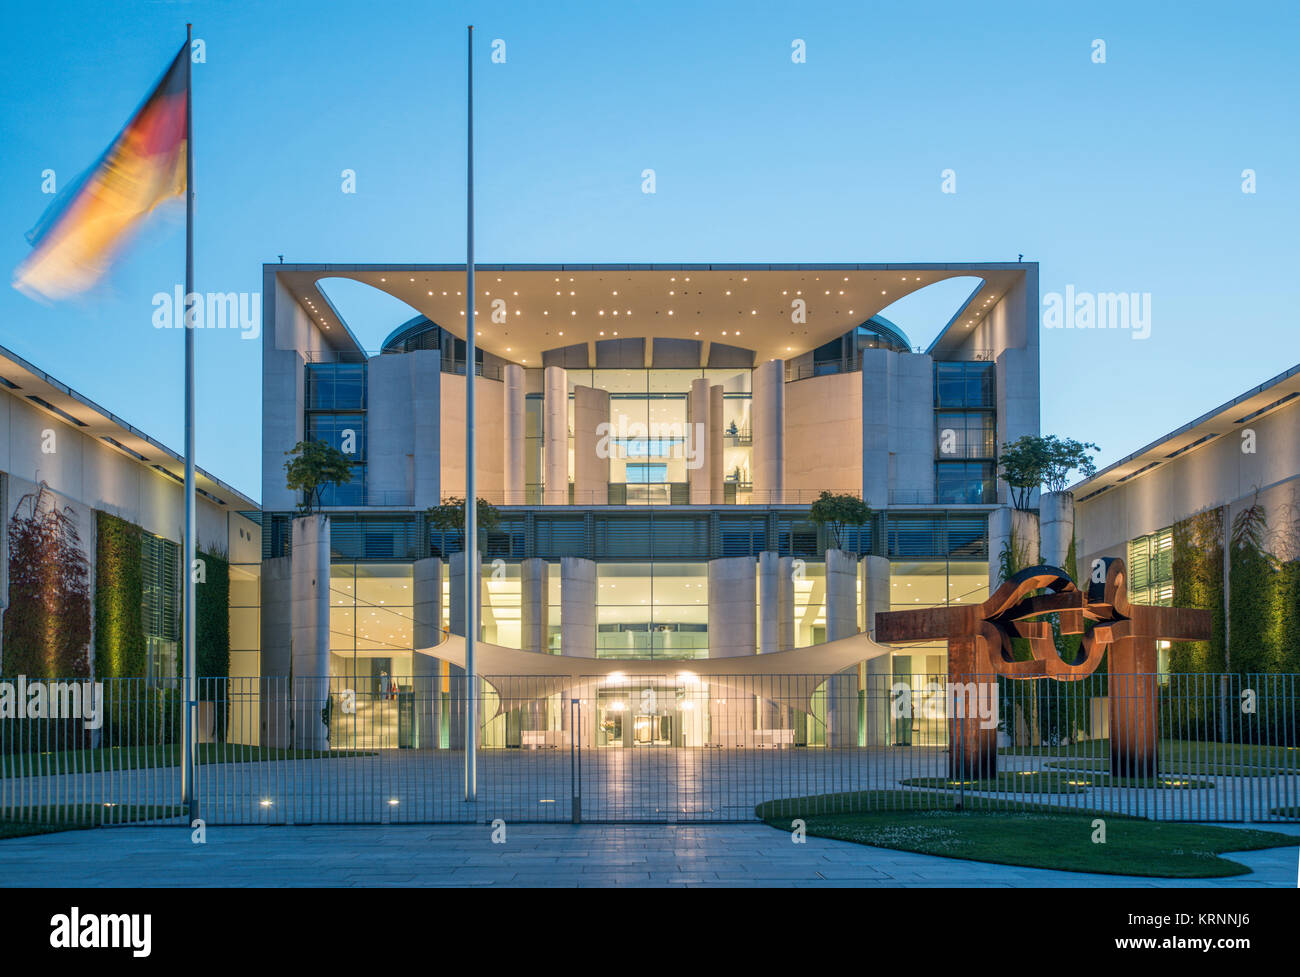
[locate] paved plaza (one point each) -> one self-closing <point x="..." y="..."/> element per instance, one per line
<point x="532" y="855"/>
<point x="654" y="785"/>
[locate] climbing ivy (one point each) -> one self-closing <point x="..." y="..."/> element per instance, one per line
<point x="1197" y="569"/>
<point x="119" y="598"/>
<point x="1254" y="621"/>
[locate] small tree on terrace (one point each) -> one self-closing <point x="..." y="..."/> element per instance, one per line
<point x="450" y="516"/>
<point x="312" y="466"/>
<point x="837" y="512"/>
<point x="1034" y="460"/>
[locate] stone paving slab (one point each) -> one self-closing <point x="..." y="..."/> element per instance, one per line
<point x="534" y="855"/>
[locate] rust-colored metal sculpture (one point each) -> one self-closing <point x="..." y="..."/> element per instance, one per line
<point x="979" y="649"/>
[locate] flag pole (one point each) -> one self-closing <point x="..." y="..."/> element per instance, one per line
<point x="189" y="678"/>
<point x="471" y="498"/>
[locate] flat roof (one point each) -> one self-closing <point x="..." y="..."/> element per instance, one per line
<point x="1231" y="416"/>
<point x="748" y="305"/>
<point x="24" y="380"/>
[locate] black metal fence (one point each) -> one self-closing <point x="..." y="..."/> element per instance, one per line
<point x="676" y="747"/>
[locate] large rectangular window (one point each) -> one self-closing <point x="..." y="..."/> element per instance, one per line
<point x="964" y="385"/>
<point x="160" y="565"/>
<point x="1151" y="568"/>
<point x="965" y="482"/>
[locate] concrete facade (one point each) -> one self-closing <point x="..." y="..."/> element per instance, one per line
<point x="578" y="607"/>
<point x="403" y="429"/>
<point x="732" y="618"/>
<point x="555" y="433"/>
<point x="590" y="450"/>
<point x="310" y="589"/>
<point x="898" y="437"/>
<point x="768" y="413"/>
<point x="513" y="432"/>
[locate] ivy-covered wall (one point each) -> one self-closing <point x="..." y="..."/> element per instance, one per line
<point x="212" y="617"/>
<point x="119" y="598"/>
<point x="1198" y="582"/>
<point x="1254" y="605"/>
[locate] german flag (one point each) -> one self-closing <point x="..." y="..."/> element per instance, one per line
<point x="77" y="237"/>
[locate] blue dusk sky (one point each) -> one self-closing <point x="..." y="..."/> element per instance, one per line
<point x="1122" y="176"/>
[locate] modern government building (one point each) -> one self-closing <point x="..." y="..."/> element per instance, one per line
<point x="652" y="438"/>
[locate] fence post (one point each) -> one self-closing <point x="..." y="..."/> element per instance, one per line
<point x="575" y="760"/>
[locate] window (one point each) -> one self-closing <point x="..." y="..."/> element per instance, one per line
<point x="1151" y="568"/>
<point x="336" y="386"/>
<point x="965" y="434"/>
<point x="964" y="385"/>
<point x="965" y="482"/>
<point x="160" y="569"/>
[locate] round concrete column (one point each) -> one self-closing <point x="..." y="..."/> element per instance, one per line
<point x="534" y="609"/>
<point x="577" y="607"/>
<point x="1056" y="521"/>
<point x="513" y="462"/>
<point x="768" y="426"/>
<point x="555" y="436"/>
<point x="732" y="617"/>
<point x="310" y="610"/>
<point x="841" y="621"/>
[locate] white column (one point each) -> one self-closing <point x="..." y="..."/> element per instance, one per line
<point x="513" y="411"/>
<point x="534" y="609"/>
<point x="590" y="469"/>
<point x="716" y="490"/>
<point x="310" y="590"/>
<point x="456" y="619"/>
<point x="555" y="435"/>
<point x="877" y="673"/>
<point x="699" y="477"/>
<point x="767" y="423"/>
<point x="1056" y="528"/>
<point x="577" y="607"/>
<point x="426" y="672"/>
<point x="785" y="619"/>
<point x="732" y="620"/>
<point x="841" y="622"/>
<point x="769" y="602"/>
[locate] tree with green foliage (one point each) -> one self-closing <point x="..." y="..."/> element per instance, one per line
<point x="836" y="512"/>
<point x="1034" y="460"/>
<point x="47" y="624"/>
<point x="450" y="516"/>
<point x="311" y="468"/>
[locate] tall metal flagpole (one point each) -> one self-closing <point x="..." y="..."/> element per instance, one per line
<point x="190" y="679"/>
<point x="471" y="498"/>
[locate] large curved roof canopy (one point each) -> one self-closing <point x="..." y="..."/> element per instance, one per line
<point x="748" y="306"/>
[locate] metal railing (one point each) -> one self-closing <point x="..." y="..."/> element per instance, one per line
<point x="670" y="747"/>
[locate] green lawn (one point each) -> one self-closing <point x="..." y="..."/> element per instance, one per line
<point x="1041" y="838"/>
<point x="1170" y="768"/>
<point x="73" y="817"/>
<point x="1056" y="782"/>
<point x="1186" y="756"/>
<point x="148" y="757"/>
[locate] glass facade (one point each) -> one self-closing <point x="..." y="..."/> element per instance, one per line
<point x="965" y="401"/>
<point x="650" y="444"/>
<point x="652" y="610"/>
<point x="335" y="414"/>
<point x="371" y="623"/>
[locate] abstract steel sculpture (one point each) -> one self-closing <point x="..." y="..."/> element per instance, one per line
<point x="980" y="649"/>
